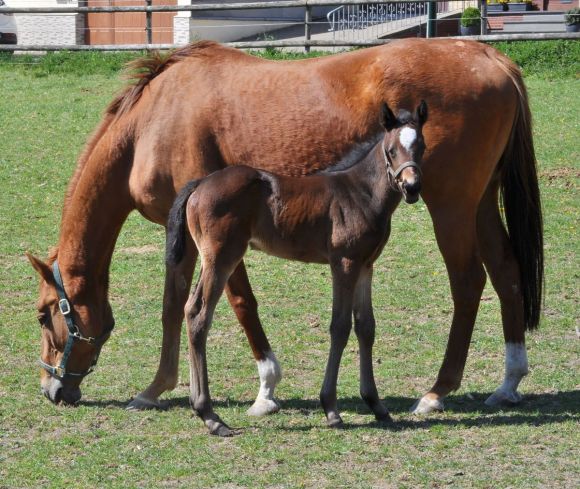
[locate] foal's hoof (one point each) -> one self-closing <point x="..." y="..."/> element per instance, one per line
<point x="221" y="430"/>
<point x="504" y="398"/>
<point x="140" y="403"/>
<point x="262" y="407"/>
<point x="384" y="418"/>
<point x="334" y="421"/>
<point x="426" y="405"/>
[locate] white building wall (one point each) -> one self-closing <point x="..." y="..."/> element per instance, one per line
<point x="51" y="29"/>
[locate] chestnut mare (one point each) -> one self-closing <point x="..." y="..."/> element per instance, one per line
<point x="341" y="218"/>
<point x="207" y="106"/>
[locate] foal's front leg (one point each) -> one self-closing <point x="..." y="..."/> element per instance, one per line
<point x="199" y="314"/>
<point x="344" y="277"/>
<point x="364" y="327"/>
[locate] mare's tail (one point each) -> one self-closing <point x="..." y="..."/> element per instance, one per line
<point x="520" y="194"/>
<point x="176" y="225"/>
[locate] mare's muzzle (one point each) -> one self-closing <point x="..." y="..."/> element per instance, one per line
<point x="56" y="391"/>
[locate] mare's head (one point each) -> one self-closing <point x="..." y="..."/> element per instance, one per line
<point x="403" y="148"/>
<point x="73" y="331"/>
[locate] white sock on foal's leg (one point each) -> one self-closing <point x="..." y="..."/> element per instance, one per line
<point x="270" y="375"/>
<point x="516" y="367"/>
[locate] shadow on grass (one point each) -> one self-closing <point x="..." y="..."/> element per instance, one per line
<point x="534" y="410"/>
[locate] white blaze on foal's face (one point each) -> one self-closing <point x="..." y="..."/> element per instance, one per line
<point x="407" y="137"/>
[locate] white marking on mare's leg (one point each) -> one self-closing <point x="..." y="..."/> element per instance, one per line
<point x="407" y="137"/>
<point x="516" y="367"/>
<point x="270" y="375"/>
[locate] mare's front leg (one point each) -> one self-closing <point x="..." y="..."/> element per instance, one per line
<point x="455" y="230"/>
<point x="177" y="286"/>
<point x="199" y="312"/>
<point x="344" y="277"/>
<point x="364" y="327"/>
<point x="244" y="304"/>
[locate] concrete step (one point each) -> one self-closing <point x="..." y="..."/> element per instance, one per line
<point x="527" y="28"/>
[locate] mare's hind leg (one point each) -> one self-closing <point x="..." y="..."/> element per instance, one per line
<point x="455" y="230"/>
<point x="177" y="286"/>
<point x="199" y="312"/>
<point x="244" y="304"/>
<point x="364" y="327"/>
<point x="503" y="271"/>
<point x="344" y="278"/>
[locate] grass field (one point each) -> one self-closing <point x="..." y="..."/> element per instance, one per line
<point x="47" y="109"/>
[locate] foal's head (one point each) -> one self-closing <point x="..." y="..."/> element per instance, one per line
<point x="403" y="148"/>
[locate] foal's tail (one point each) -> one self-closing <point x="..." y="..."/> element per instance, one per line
<point x="176" y="232"/>
<point x="520" y="195"/>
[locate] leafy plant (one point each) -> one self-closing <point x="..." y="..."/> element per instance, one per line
<point x="471" y="16"/>
<point x="572" y="17"/>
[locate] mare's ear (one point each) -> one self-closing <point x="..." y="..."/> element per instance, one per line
<point x="421" y="112"/>
<point x="387" y="118"/>
<point x="42" y="268"/>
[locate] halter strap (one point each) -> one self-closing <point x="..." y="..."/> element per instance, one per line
<point x="74" y="334"/>
<point x="396" y="173"/>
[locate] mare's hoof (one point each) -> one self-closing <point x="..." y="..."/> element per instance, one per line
<point x="140" y="403"/>
<point x="503" y="398"/>
<point x="426" y="406"/>
<point x="262" y="407"/>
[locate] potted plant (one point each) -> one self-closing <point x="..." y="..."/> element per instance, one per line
<point x="572" y="20"/>
<point x="496" y="5"/>
<point x="470" y="23"/>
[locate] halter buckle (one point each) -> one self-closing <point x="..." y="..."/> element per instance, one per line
<point x="64" y="307"/>
<point x="60" y="371"/>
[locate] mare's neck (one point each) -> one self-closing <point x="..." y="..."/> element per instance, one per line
<point x="94" y="213"/>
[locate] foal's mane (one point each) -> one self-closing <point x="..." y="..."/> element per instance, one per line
<point x="141" y="71"/>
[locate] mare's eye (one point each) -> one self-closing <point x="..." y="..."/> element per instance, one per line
<point x="41" y="318"/>
<point x="392" y="152"/>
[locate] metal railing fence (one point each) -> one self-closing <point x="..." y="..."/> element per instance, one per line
<point x="352" y="23"/>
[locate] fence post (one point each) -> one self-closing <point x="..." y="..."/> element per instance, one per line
<point x="307" y="20"/>
<point x="431" y="19"/>
<point x="483" y="10"/>
<point x="148" y="23"/>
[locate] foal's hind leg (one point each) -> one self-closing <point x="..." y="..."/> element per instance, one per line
<point x="244" y="304"/>
<point x="199" y="312"/>
<point x="364" y="327"/>
<point x="177" y="286"/>
<point x="455" y="230"/>
<point x="503" y="270"/>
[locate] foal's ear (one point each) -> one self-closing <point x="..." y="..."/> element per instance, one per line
<point x="42" y="268"/>
<point x="421" y="112"/>
<point x="387" y="118"/>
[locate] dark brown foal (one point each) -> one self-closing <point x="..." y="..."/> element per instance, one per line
<point x="341" y="218"/>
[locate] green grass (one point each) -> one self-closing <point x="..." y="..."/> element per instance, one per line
<point x="45" y="117"/>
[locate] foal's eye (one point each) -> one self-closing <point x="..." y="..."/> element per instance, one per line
<point x="41" y="318"/>
<point x="392" y="152"/>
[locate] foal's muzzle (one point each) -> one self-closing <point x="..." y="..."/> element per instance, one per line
<point x="409" y="183"/>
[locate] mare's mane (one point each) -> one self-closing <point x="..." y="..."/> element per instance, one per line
<point x="141" y="71"/>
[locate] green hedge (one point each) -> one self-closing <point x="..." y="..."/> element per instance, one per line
<point x="546" y="59"/>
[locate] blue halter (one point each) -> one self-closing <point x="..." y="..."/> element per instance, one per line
<point x="74" y="334"/>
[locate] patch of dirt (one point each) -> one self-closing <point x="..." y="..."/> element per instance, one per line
<point x="561" y="176"/>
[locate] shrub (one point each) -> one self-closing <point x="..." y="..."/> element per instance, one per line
<point x="471" y="16"/>
<point x="572" y="16"/>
